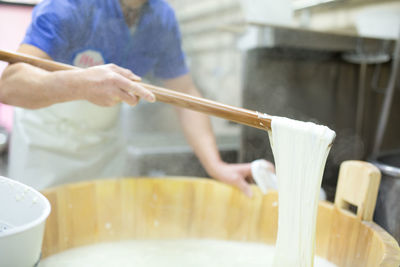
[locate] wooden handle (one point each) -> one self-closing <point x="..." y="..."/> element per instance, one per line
<point x="358" y="186"/>
<point x="239" y="115"/>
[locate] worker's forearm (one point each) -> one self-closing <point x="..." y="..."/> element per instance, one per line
<point x="27" y="86"/>
<point x="197" y="127"/>
<point x="198" y="132"/>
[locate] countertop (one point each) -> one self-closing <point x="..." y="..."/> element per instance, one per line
<point x="268" y="35"/>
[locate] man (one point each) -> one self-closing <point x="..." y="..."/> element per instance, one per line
<point x="65" y="129"/>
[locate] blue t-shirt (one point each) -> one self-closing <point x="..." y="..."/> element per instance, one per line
<point x="92" y="32"/>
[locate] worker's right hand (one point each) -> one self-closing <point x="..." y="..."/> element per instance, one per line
<point x="107" y="85"/>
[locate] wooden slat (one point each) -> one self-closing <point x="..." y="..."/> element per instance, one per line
<point x="358" y="185"/>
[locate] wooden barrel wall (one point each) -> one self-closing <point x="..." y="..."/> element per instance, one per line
<point x="187" y="207"/>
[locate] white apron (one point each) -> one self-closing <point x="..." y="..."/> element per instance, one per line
<point x="66" y="143"/>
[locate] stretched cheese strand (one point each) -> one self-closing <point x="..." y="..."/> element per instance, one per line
<point x="300" y="150"/>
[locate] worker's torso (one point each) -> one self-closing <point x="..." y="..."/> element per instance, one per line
<point x="78" y="140"/>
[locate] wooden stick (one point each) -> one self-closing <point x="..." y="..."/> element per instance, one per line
<point x="240" y="115"/>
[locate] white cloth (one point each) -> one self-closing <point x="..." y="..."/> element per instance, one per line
<point x="66" y="143"/>
<point x="266" y="180"/>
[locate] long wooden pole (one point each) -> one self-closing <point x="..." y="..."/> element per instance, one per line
<point x="239" y="115"/>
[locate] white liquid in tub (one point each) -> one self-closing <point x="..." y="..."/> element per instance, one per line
<point x="169" y="253"/>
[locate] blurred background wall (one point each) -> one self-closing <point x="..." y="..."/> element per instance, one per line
<point x="217" y="36"/>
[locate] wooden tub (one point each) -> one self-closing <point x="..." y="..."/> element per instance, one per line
<point x="187" y="207"/>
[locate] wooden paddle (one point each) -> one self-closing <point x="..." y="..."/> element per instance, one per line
<point x="240" y="115"/>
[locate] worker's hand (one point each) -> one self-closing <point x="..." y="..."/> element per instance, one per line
<point x="107" y="85"/>
<point x="237" y="175"/>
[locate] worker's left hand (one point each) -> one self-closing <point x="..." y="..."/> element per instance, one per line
<point x="234" y="174"/>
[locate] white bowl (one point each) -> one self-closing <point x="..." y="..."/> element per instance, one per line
<point x="23" y="213"/>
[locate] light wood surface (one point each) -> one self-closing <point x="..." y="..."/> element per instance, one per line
<point x="185" y="207"/>
<point x="358" y="186"/>
<point x="240" y="115"/>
